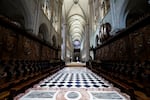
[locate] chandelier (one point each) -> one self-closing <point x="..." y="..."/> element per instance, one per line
<point x="75" y="1"/>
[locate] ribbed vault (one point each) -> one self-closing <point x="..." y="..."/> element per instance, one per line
<point x="76" y="15"/>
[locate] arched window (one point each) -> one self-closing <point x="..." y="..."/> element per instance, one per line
<point x="46" y="8"/>
<point x="105" y="30"/>
<point x="102" y="10"/>
<point x="55" y="16"/>
<point x="105" y="6"/>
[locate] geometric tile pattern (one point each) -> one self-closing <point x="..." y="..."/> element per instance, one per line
<point x="73" y="83"/>
<point x="75" y="78"/>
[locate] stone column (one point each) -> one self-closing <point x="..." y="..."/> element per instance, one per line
<point x="112" y="7"/>
<point x="36" y="17"/>
<point x="87" y="47"/>
<point x="63" y="49"/>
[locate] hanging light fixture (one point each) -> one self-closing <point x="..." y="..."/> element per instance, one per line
<point x="75" y="1"/>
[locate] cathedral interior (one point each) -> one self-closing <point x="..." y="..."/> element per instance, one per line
<point x="74" y="49"/>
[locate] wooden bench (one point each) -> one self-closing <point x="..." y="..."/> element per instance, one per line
<point x="4" y="95"/>
<point x="141" y="96"/>
<point x="16" y="86"/>
<point x="124" y="87"/>
<point x="26" y="84"/>
<point x="5" y="86"/>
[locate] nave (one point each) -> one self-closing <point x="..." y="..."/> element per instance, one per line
<point x="73" y="83"/>
<point x="39" y="37"/>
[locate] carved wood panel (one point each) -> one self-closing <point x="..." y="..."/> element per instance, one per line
<point x="106" y="53"/>
<point x="15" y="44"/>
<point x="102" y="54"/>
<point x="97" y="54"/>
<point x="1" y="40"/>
<point x="115" y="49"/>
<point x="137" y="45"/>
<point x="37" y="50"/>
<point x="47" y="53"/>
<point x="9" y="44"/>
<point x="43" y="53"/>
<point x="122" y="50"/>
<point x="27" y="48"/>
<point x="112" y="50"/>
<point x="146" y="34"/>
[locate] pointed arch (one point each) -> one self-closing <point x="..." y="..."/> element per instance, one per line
<point x="43" y="32"/>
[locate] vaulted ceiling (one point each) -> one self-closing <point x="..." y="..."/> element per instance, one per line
<point x="76" y="13"/>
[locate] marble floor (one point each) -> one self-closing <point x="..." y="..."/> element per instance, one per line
<point x="73" y="83"/>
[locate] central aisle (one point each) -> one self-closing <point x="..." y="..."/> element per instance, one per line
<point x="73" y="83"/>
<point x="74" y="77"/>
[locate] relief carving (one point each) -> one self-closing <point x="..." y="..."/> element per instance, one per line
<point x="37" y="50"/>
<point x="121" y="48"/>
<point x="44" y="54"/>
<point x="27" y="47"/>
<point x="146" y="33"/>
<point x="137" y="44"/>
<point x="111" y="51"/>
<point x="10" y="41"/>
<point x="115" y="48"/>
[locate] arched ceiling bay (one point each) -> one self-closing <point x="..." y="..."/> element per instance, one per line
<point x="76" y="15"/>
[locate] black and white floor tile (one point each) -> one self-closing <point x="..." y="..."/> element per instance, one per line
<point x="74" y="78"/>
<point x="86" y="86"/>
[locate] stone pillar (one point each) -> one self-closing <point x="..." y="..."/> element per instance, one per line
<point x="87" y="47"/>
<point x="63" y="49"/>
<point x="112" y="7"/>
<point x="36" y="17"/>
<point x="91" y="20"/>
